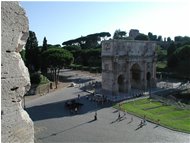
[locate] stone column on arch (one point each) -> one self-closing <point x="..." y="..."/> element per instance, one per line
<point x="128" y="77"/>
<point x="145" y="75"/>
<point x="154" y="73"/>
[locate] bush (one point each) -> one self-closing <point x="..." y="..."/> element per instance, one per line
<point x="35" y="78"/>
<point x="86" y="68"/>
<point x="95" y="69"/>
<point x="75" y="67"/>
<point x="43" y="79"/>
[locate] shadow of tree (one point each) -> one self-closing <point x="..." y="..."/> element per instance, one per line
<point x="58" y="109"/>
<point x="54" y="134"/>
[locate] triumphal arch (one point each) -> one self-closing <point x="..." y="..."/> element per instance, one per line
<point x="128" y="65"/>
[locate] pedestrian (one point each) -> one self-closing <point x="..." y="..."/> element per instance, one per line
<point x="144" y="122"/>
<point x="78" y="96"/>
<point x="95" y="116"/>
<point x="76" y="109"/>
<point x="119" y="115"/>
<point x="141" y="123"/>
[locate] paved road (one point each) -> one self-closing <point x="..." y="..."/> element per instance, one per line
<point x="54" y="123"/>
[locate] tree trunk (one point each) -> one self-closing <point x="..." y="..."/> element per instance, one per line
<point x="55" y="76"/>
<point x="58" y="75"/>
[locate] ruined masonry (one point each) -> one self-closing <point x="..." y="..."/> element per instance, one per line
<point x="16" y="123"/>
<point x="128" y="65"/>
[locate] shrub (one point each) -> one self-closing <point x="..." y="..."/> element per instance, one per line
<point x="35" y="78"/>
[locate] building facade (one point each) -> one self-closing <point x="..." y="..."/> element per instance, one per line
<point x="127" y="65"/>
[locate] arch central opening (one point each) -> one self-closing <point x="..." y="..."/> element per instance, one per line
<point x="120" y="82"/>
<point x="135" y="76"/>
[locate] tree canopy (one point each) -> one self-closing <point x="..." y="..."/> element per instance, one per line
<point x="89" y="41"/>
<point x="32" y="52"/>
<point x="118" y="34"/>
<point x="142" y="37"/>
<point x="152" y="37"/>
<point x="56" y="59"/>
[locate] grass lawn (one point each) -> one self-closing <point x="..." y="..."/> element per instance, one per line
<point x="169" y="116"/>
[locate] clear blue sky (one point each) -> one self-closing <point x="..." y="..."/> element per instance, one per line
<point x="62" y="21"/>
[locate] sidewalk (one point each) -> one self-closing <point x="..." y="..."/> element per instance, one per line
<point x="60" y="86"/>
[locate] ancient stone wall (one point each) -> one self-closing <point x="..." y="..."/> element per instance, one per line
<point x="16" y="124"/>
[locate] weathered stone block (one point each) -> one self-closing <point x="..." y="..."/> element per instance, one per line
<point x="16" y="123"/>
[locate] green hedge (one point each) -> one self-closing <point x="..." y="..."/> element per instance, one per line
<point x="37" y="78"/>
<point x="85" y="68"/>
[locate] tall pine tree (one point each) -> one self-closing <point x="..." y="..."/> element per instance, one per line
<point x="45" y="46"/>
<point x="32" y="53"/>
<point x="43" y="65"/>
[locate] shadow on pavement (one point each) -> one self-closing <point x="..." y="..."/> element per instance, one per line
<point x="54" y="134"/>
<point x="58" y="109"/>
<point x="138" y="128"/>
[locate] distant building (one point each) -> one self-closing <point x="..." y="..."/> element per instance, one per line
<point x="127" y="65"/>
<point x="133" y="33"/>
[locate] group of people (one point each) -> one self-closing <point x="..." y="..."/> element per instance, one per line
<point x="142" y="123"/>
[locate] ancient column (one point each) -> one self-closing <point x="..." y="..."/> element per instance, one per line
<point x="15" y="122"/>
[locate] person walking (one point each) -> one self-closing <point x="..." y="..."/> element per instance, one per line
<point x="119" y="116"/>
<point x="141" y="124"/>
<point x="78" y="96"/>
<point x="144" y="120"/>
<point x="76" y="109"/>
<point x="95" y="116"/>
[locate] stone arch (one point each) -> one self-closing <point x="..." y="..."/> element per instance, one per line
<point x="121" y="83"/>
<point x="136" y="72"/>
<point x="148" y="76"/>
<point x="135" y="75"/>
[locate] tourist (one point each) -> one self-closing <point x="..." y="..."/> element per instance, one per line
<point x="141" y="123"/>
<point x="95" y="116"/>
<point x="119" y="116"/>
<point x="76" y="109"/>
<point x="78" y="96"/>
<point x="144" y="122"/>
